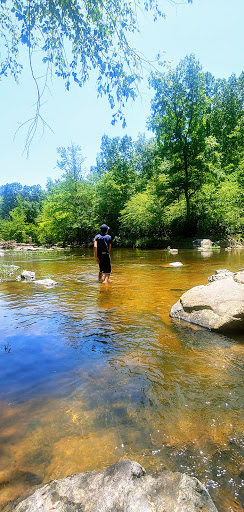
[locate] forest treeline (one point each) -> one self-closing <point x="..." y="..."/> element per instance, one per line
<point x="187" y="180"/>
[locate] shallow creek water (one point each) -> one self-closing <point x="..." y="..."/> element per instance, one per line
<point x="93" y="373"/>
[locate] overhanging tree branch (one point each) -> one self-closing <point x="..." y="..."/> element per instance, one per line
<point x="77" y="37"/>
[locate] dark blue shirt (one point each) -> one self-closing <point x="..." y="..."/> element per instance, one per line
<point x="103" y="242"/>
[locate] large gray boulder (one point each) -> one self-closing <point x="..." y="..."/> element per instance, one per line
<point x="219" y="305"/>
<point x="202" y="243"/>
<point x="123" y="487"/>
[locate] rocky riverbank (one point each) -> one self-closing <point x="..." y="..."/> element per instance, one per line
<point x="15" y="246"/>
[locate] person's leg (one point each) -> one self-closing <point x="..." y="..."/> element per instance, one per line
<point x="100" y="275"/>
<point x="107" y="276"/>
<point x="107" y="267"/>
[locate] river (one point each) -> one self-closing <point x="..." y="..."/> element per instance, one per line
<point x="92" y="373"/>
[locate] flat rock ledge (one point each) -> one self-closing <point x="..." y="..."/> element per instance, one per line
<point x="218" y="306"/>
<point x="123" y="487"/>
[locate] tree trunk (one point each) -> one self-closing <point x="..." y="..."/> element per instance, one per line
<point x="188" y="210"/>
<point x="186" y="187"/>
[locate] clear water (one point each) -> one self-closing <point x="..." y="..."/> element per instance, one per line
<point x="93" y="373"/>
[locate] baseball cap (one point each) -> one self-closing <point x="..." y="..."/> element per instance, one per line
<point x="104" y="227"/>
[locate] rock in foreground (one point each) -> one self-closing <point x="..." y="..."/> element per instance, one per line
<point x="218" y="306"/>
<point x="123" y="487"/>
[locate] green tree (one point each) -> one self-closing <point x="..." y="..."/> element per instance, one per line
<point x="68" y="214"/>
<point x="141" y="217"/>
<point x="17" y="227"/>
<point x="114" y="176"/>
<point x="72" y="38"/>
<point x="109" y="199"/>
<point x="179" y="115"/>
<point x="71" y="161"/>
<point x="116" y="156"/>
<point x="226" y="114"/>
<point x="9" y="194"/>
<point x="28" y="197"/>
<point x="147" y="161"/>
<point x="75" y="37"/>
<point x="221" y="207"/>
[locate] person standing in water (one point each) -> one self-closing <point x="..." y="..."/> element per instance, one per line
<point x="102" y="248"/>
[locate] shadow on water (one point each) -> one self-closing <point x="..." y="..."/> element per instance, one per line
<point x="92" y="373"/>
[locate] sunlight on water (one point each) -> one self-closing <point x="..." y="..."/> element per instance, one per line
<point x="93" y="373"/>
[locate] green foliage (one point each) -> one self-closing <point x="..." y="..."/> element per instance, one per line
<point x="187" y="181"/>
<point x="226" y="114"/>
<point x="146" y="161"/>
<point x="179" y="114"/>
<point x="20" y="207"/>
<point x="109" y="201"/>
<point x="116" y="157"/>
<point x="138" y="215"/>
<point x="16" y="228"/>
<point x="174" y="218"/>
<point x="8" y="194"/>
<point x="73" y="38"/>
<point x="71" y="161"/>
<point x="68" y="213"/>
<point x="221" y="208"/>
<point x="115" y="178"/>
<point x="29" y="197"/>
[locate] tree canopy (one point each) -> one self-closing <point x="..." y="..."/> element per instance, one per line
<point x="187" y="180"/>
<point x="72" y="38"/>
<point x="179" y="115"/>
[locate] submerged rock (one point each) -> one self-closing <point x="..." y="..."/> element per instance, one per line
<point x="219" y="305"/>
<point x="176" y="264"/>
<point x="123" y="487"/>
<point x="46" y="282"/>
<point x="7" y="270"/>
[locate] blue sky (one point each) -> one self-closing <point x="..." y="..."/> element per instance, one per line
<point x="212" y="29"/>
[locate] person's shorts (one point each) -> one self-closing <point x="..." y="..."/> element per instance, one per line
<point x="105" y="263"/>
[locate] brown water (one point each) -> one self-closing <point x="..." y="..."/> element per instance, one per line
<point x="93" y="373"/>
